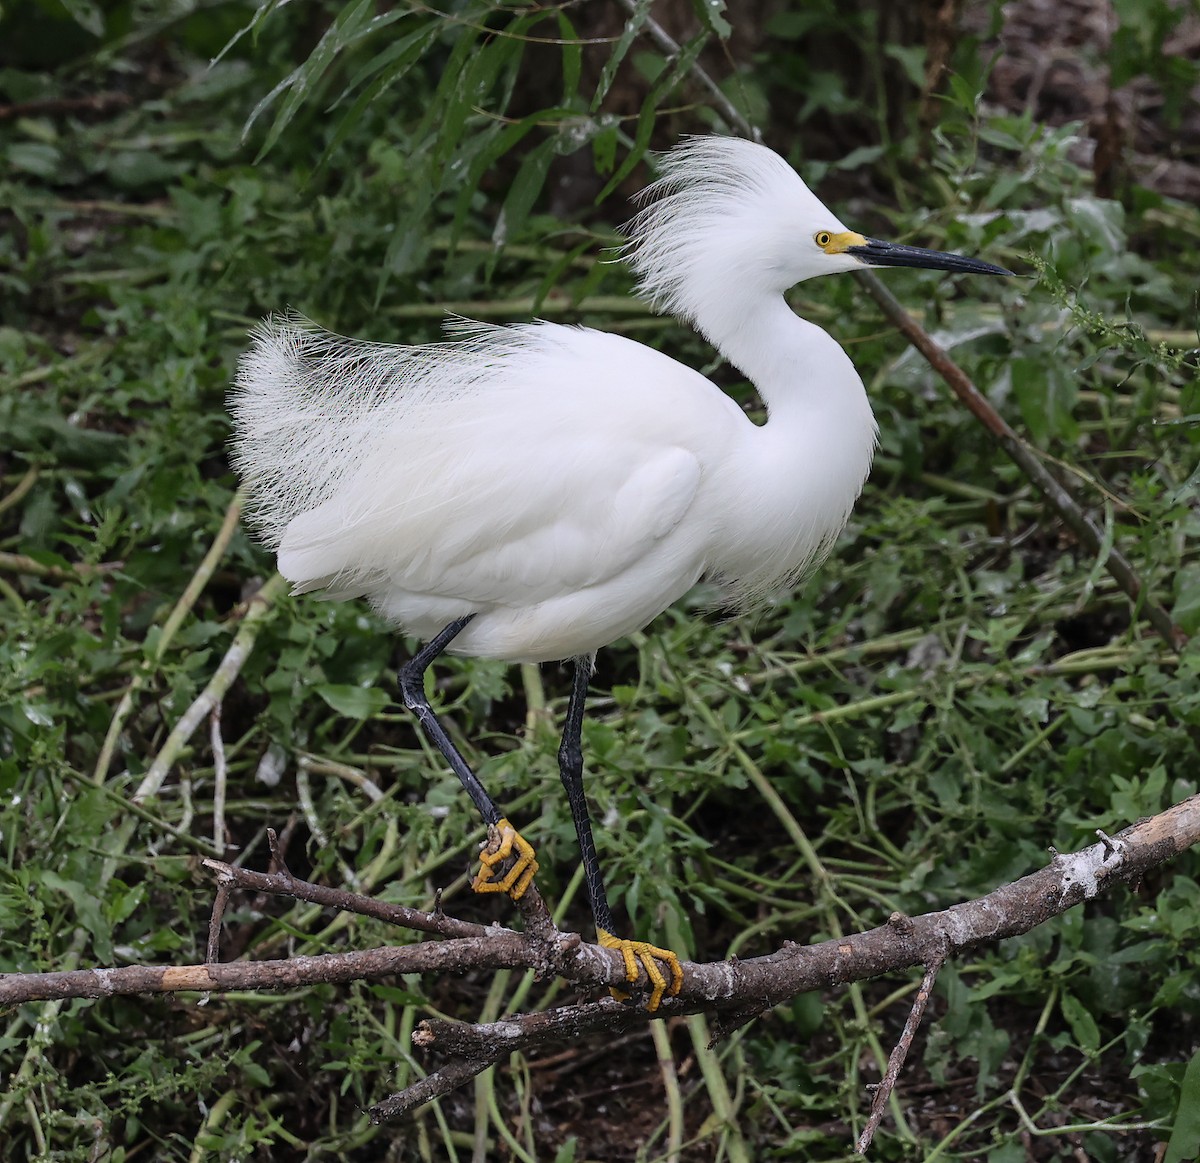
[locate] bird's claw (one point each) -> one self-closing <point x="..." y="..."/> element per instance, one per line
<point x="649" y="956"/>
<point x="505" y="841"/>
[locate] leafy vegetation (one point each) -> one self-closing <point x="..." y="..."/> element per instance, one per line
<point x="956" y="690"/>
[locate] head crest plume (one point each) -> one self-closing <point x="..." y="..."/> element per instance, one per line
<point x="721" y="209"/>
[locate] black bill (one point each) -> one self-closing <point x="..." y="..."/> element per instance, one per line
<point x="876" y="253"/>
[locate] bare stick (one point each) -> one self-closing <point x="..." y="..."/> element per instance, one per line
<point x="499" y="952"/>
<point x="222" y="679"/>
<point x="1025" y="458"/>
<point x="220" y="778"/>
<point x="449" y="1077"/>
<point x="283" y="883"/>
<point x="213" y="952"/>
<point x="220" y="903"/>
<point x="883" y="1092"/>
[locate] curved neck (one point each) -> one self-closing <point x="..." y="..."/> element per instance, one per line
<point x="789" y="360"/>
<point x="790" y="489"/>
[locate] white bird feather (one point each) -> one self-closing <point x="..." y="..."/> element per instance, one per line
<point x="566" y="485"/>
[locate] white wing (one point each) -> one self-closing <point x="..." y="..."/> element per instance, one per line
<point x="510" y="536"/>
<point x="507" y="468"/>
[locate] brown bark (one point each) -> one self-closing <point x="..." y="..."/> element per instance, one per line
<point x="734" y="988"/>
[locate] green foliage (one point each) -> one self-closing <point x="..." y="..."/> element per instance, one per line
<point x="957" y="689"/>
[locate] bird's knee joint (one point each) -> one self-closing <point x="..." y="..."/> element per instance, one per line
<point x="412" y="689"/>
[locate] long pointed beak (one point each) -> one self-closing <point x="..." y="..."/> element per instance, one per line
<point x="876" y="253"/>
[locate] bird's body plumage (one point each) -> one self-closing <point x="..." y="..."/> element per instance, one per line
<point x="565" y="485"/>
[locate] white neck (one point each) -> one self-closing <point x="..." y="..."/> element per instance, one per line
<point x="791" y="490"/>
<point x="788" y="359"/>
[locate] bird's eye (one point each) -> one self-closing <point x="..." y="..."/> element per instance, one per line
<point x="822" y="238"/>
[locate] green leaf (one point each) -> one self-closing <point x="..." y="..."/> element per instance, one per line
<point x="712" y="12"/>
<point x="34" y="157"/>
<point x="87" y="911"/>
<point x="633" y="26"/>
<point x="1010" y="1152"/>
<point x="1083" y="1025"/>
<point x="1184" y="1143"/>
<point x="1186" y="610"/>
<point x="641" y="143"/>
<point x="385" y="70"/>
<point x="1046" y="393"/>
<point x="526" y="186"/>
<point x="355" y="702"/>
<point x="572" y="58"/>
<point x="87" y="14"/>
<point x="353" y="23"/>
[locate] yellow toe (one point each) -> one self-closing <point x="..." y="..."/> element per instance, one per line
<point x="509" y="843"/>
<point x="635" y="952"/>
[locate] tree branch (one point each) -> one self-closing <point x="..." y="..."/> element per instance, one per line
<point x="1025" y="458"/>
<point x="729" y="987"/>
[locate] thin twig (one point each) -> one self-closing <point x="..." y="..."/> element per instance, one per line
<point x="1085" y="529"/>
<point x="896" y="1061"/>
<point x="97" y="103"/>
<point x="175" y="619"/>
<point x="259" y="607"/>
<point x="19" y="563"/>
<point x="220" y="903"/>
<point x="283" y="883"/>
<point x="352" y="775"/>
<point x="220" y="779"/>
<point x="20" y="489"/>
<point x="449" y="1077"/>
<point x="320" y="837"/>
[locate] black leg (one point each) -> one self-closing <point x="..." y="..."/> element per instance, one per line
<point x="570" y="767"/>
<point x="412" y="690"/>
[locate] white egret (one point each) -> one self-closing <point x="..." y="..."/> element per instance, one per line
<point x="534" y="492"/>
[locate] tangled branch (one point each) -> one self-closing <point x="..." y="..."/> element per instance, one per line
<point x="735" y="989"/>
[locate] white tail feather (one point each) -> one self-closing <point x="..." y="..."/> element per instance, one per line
<point x="311" y="409"/>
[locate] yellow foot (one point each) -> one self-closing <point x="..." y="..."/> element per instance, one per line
<point x="520" y="876"/>
<point x="649" y="955"/>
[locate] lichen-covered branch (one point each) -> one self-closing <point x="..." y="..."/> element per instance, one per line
<point x="733" y="986"/>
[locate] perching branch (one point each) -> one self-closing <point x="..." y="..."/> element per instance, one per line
<point x="733" y="986"/>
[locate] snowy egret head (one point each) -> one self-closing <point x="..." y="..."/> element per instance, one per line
<point x="729" y="222"/>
